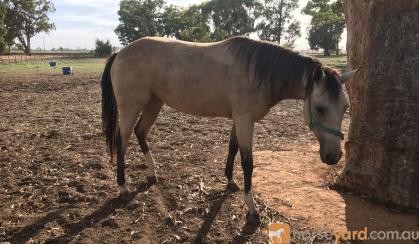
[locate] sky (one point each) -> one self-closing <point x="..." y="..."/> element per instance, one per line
<point x="80" y="22"/>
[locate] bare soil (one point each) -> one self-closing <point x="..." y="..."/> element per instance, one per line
<point x="294" y="182"/>
<point x="57" y="184"/>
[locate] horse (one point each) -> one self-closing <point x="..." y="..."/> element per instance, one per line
<point x="238" y="78"/>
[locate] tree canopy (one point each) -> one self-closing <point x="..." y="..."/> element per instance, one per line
<point x="103" y="48"/>
<point x="187" y="24"/>
<point x="2" y="27"/>
<point x="25" y="19"/>
<point x="213" y="20"/>
<point x="210" y="21"/>
<point x="231" y="17"/>
<point x="277" y="24"/>
<point x="139" y="19"/>
<point x="327" y="24"/>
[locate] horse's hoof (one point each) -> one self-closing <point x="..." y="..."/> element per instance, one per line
<point x="124" y="196"/>
<point x="152" y="180"/>
<point x="232" y="186"/>
<point x="253" y="219"/>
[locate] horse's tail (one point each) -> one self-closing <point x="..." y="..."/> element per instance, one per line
<point x="109" y="108"/>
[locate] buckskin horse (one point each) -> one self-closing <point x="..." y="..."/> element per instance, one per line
<point x="238" y="78"/>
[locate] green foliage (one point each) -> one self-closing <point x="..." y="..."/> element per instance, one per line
<point x="140" y="18"/>
<point x="186" y="24"/>
<point x="327" y="24"/>
<point x="210" y="21"/>
<point x="80" y="67"/>
<point x="3" y="12"/>
<point x="231" y="17"/>
<point x="213" y="20"/>
<point x="26" y="18"/>
<point x="11" y="28"/>
<point x="103" y="48"/>
<point x="277" y="24"/>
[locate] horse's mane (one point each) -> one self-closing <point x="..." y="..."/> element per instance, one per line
<point x="275" y="67"/>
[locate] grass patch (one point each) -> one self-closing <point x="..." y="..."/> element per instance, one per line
<point x="337" y="62"/>
<point x="36" y="67"/>
<point x="97" y="66"/>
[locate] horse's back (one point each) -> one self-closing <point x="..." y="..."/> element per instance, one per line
<point x="195" y="78"/>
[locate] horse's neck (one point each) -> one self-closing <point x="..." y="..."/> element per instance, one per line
<point x="291" y="90"/>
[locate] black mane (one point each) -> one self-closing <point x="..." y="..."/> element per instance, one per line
<point x="276" y="68"/>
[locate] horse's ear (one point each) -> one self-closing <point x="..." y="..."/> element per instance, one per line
<point x="318" y="73"/>
<point x="348" y="75"/>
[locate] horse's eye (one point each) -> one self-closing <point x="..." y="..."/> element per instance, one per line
<point x="320" y="109"/>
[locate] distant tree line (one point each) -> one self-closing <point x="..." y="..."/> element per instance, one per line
<point x="213" y="20"/>
<point x="21" y="20"/>
<point x="216" y="20"/>
<point x="103" y="48"/>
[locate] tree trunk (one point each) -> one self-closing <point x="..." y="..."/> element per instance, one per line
<point x="382" y="152"/>
<point x="337" y="47"/>
<point x="28" y="46"/>
<point x="326" y="52"/>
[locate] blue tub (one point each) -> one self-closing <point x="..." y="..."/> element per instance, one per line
<point x="67" y="71"/>
<point x="52" y="64"/>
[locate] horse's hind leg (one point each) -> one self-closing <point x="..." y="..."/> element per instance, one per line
<point x="126" y="126"/>
<point x="233" y="148"/>
<point x="147" y="119"/>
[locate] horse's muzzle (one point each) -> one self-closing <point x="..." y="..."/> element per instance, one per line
<point x="331" y="158"/>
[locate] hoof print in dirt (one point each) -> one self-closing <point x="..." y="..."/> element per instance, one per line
<point x="253" y="219"/>
<point x="233" y="187"/>
<point x="152" y="180"/>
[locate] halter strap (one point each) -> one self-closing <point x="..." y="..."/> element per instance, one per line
<point x="313" y="123"/>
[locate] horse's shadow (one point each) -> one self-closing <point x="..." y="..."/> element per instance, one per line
<point x="26" y="233"/>
<point x="248" y="229"/>
<point x="72" y="229"/>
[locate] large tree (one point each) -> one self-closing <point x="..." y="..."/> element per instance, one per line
<point x="189" y="24"/>
<point x="103" y="48"/>
<point x="28" y="18"/>
<point x="277" y="23"/>
<point x="2" y="27"/>
<point x="327" y="24"/>
<point x="382" y="151"/>
<point x="11" y="30"/>
<point x="231" y="17"/>
<point x="140" y="18"/>
<point x="210" y="21"/>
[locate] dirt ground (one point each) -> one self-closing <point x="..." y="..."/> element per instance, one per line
<point x="57" y="184"/>
<point x="295" y="183"/>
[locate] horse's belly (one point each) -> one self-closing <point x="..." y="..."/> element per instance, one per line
<point x="199" y="106"/>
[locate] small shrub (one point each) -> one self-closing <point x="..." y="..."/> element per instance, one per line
<point x="103" y="48"/>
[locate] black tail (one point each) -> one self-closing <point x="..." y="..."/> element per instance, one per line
<point x="109" y="108"/>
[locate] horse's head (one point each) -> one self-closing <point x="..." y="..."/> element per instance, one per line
<point x="324" y="108"/>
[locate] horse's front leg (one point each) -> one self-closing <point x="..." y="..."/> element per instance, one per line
<point x="244" y="132"/>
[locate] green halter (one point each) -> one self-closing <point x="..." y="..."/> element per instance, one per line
<point x="313" y="123"/>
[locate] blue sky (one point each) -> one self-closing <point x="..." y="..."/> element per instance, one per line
<point x="80" y="22"/>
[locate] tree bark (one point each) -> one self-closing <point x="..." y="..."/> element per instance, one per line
<point x="382" y="152"/>
<point x="28" y="46"/>
<point x="337" y="47"/>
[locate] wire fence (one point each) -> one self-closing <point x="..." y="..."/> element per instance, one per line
<point x="17" y="58"/>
